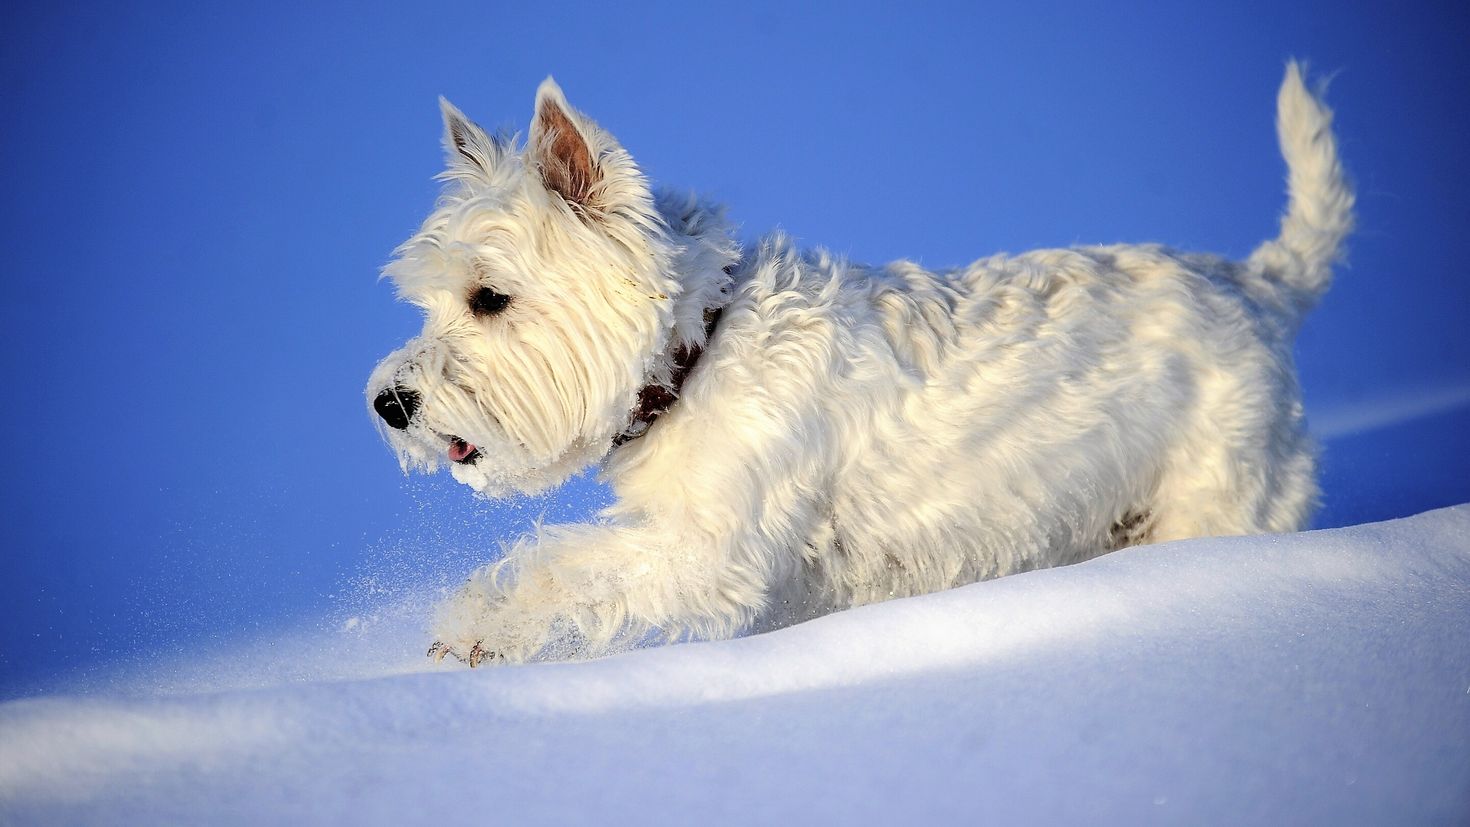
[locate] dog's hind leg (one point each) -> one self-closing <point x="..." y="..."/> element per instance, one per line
<point x="1228" y="481"/>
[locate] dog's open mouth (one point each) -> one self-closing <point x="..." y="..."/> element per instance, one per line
<point x="462" y="452"/>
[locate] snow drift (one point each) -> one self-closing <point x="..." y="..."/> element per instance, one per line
<point x="1312" y="678"/>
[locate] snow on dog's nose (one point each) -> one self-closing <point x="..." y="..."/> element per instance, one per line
<point x="396" y="407"/>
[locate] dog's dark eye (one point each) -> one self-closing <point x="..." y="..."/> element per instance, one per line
<point x="486" y="302"/>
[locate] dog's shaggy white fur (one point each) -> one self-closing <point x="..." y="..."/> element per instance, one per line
<point x="848" y="433"/>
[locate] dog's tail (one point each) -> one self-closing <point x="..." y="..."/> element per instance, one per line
<point x="1319" y="214"/>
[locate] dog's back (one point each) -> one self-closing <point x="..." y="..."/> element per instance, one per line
<point x="1041" y="409"/>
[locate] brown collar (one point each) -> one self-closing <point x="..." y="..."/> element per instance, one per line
<point x="655" y="399"/>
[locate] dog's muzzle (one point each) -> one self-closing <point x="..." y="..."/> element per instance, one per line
<point x="396" y="407"/>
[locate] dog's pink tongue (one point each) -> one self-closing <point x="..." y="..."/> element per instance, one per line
<point x="459" y="449"/>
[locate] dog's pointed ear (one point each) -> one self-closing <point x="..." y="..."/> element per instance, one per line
<point x="564" y="146"/>
<point x="466" y="146"/>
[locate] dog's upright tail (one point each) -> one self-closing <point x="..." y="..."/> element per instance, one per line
<point x="1319" y="214"/>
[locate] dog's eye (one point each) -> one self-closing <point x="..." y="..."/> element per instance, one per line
<point x="486" y="302"/>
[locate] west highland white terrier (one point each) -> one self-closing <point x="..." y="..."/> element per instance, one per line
<point x="788" y="433"/>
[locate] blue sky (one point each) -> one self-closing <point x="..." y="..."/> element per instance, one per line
<point x="199" y="196"/>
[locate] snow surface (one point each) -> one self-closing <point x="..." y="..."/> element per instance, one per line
<point x="1318" y="678"/>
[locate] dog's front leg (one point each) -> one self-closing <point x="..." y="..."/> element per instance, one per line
<point x="578" y="590"/>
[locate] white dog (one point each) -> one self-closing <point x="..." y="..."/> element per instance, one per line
<point x="788" y="433"/>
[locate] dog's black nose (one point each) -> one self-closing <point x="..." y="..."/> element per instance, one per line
<point x="396" y="406"/>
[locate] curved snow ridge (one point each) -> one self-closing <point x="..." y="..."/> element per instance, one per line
<point x="1132" y="592"/>
<point x="1292" y="665"/>
<point x="1145" y="591"/>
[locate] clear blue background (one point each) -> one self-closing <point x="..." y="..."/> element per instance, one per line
<point x="197" y="198"/>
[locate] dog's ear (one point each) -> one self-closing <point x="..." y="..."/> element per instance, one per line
<point x="561" y="151"/>
<point x="466" y="146"/>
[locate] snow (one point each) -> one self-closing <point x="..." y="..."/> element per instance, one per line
<point x="1321" y="677"/>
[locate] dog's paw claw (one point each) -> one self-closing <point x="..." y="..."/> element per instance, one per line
<point x="479" y="654"/>
<point x="476" y="656"/>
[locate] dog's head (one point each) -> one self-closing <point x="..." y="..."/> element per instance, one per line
<point x="546" y="282"/>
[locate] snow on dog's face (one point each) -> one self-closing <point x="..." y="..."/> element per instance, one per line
<point x="544" y="282"/>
